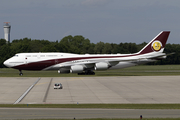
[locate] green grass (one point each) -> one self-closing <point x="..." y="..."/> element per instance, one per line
<point x="142" y="70"/>
<point x="103" y="106"/>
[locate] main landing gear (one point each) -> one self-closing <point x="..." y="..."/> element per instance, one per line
<point x="21" y="74"/>
<point x="87" y="72"/>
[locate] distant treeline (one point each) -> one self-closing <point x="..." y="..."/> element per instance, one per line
<point x="79" y="45"/>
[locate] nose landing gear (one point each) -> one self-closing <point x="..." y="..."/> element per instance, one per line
<point x="21" y="74"/>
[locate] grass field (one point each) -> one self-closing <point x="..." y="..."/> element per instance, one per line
<point x="103" y="106"/>
<point x="142" y="70"/>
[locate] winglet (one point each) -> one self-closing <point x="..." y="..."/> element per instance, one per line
<point x="157" y="44"/>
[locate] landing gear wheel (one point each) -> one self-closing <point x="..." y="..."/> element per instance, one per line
<point x="21" y="74"/>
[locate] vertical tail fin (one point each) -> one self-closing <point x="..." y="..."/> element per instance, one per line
<point x="157" y="44"/>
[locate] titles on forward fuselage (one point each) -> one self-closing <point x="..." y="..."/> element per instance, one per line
<point x="76" y="61"/>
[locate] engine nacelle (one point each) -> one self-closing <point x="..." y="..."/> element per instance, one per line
<point x="101" y="66"/>
<point x="63" y="71"/>
<point x="76" y="69"/>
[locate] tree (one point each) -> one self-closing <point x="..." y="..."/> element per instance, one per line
<point x="5" y="53"/>
<point x="77" y="44"/>
<point x="140" y="46"/>
<point x="49" y="48"/>
<point x="132" y="47"/>
<point x="86" y="45"/>
<point x="36" y="46"/>
<point x="115" y="48"/>
<point x="107" y="49"/>
<point x="98" y="48"/>
<point x="64" y="45"/>
<point x="2" y="42"/>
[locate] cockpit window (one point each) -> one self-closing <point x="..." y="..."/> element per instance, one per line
<point x="15" y="55"/>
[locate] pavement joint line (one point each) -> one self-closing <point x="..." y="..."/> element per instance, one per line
<point x="47" y="91"/>
<point x="27" y="91"/>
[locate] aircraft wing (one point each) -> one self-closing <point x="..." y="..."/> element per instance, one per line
<point x="112" y="62"/>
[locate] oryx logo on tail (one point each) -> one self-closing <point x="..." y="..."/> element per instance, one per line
<point x="156" y="45"/>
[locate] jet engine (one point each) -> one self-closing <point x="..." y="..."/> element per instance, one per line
<point x="101" y="66"/>
<point x="76" y="69"/>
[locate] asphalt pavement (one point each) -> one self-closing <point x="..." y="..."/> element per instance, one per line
<point x="59" y="113"/>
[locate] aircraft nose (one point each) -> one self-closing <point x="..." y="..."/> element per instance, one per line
<point x="6" y="63"/>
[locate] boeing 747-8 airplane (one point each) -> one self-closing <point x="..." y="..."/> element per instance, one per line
<point x="85" y="64"/>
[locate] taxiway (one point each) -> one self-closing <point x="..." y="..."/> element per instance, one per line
<point x="82" y="90"/>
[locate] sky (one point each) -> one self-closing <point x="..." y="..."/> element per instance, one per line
<point x="108" y="21"/>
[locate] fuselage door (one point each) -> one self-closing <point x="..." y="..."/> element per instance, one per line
<point x="26" y="59"/>
<point x="38" y="56"/>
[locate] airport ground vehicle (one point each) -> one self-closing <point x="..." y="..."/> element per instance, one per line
<point x="58" y="86"/>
